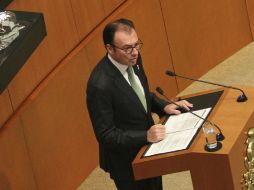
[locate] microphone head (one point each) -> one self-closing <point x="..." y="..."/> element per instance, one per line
<point x="242" y="98"/>
<point x="159" y="90"/>
<point x="170" y="73"/>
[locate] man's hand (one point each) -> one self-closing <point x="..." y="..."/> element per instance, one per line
<point x="172" y="108"/>
<point x="156" y="133"/>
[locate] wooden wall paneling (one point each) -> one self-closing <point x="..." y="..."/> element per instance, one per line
<point x="203" y="33"/>
<point x="110" y="5"/>
<point x="6" y="108"/>
<point x="59" y="135"/>
<point x="250" y="8"/>
<point x="61" y="38"/>
<point x="15" y="169"/>
<point x="88" y="14"/>
<point x="155" y="52"/>
<point x="95" y="47"/>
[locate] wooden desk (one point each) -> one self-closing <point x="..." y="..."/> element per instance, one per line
<point x="221" y="170"/>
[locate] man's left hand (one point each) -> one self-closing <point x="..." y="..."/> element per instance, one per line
<point x="172" y="108"/>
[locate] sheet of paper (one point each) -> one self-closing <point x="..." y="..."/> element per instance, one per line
<point x="180" y="129"/>
<point x="185" y="121"/>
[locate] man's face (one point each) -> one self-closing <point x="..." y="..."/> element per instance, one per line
<point x="123" y="42"/>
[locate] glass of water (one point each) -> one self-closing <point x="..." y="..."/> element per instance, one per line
<point x="210" y="136"/>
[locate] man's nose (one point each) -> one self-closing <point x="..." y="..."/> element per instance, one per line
<point x="134" y="51"/>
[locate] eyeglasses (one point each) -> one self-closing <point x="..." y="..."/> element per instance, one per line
<point x="129" y="49"/>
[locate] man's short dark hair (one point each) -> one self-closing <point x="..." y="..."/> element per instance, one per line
<point x="117" y="25"/>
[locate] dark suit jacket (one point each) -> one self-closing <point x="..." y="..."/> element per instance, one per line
<point x="119" y="120"/>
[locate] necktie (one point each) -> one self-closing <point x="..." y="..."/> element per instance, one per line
<point x="136" y="87"/>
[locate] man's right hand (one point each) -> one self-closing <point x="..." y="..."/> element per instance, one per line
<point x="156" y="133"/>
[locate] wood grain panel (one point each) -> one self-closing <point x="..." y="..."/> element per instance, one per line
<point x="250" y="8"/>
<point x="88" y="14"/>
<point x="6" y="108"/>
<point x="155" y="52"/>
<point x="61" y="38"/>
<point x="203" y="33"/>
<point x="59" y="135"/>
<point x="15" y="168"/>
<point x="110" y="5"/>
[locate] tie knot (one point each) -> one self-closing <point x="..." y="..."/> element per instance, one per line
<point x="129" y="69"/>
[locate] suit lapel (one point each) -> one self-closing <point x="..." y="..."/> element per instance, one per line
<point x="124" y="86"/>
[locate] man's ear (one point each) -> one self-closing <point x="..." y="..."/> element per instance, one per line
<point x="110" y="49"/>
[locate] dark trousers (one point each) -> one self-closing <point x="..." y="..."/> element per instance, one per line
<point x="146" y="184"/>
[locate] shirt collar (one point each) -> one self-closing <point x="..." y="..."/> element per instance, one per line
<point x="122" y="68"/>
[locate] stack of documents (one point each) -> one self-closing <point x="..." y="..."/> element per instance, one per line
<point x="180" y="130"/>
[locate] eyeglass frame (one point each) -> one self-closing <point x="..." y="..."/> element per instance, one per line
<point x="132" y="47"/>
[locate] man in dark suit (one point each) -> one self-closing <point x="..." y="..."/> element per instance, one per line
<point x="120" y="105"/>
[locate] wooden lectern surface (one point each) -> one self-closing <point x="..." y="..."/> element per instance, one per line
<point x="222" y="169"/>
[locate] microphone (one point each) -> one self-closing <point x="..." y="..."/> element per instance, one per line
<point x="219" y="136"/>
<point x="241" y="98"/>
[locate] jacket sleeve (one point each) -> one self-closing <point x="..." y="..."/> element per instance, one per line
<point x="157" y="104"/>
<point x="101" y="112"/>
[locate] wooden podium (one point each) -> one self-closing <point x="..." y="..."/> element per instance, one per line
<point x="220" y="170"/>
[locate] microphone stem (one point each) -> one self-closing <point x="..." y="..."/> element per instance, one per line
<point x="210" y="83"/>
